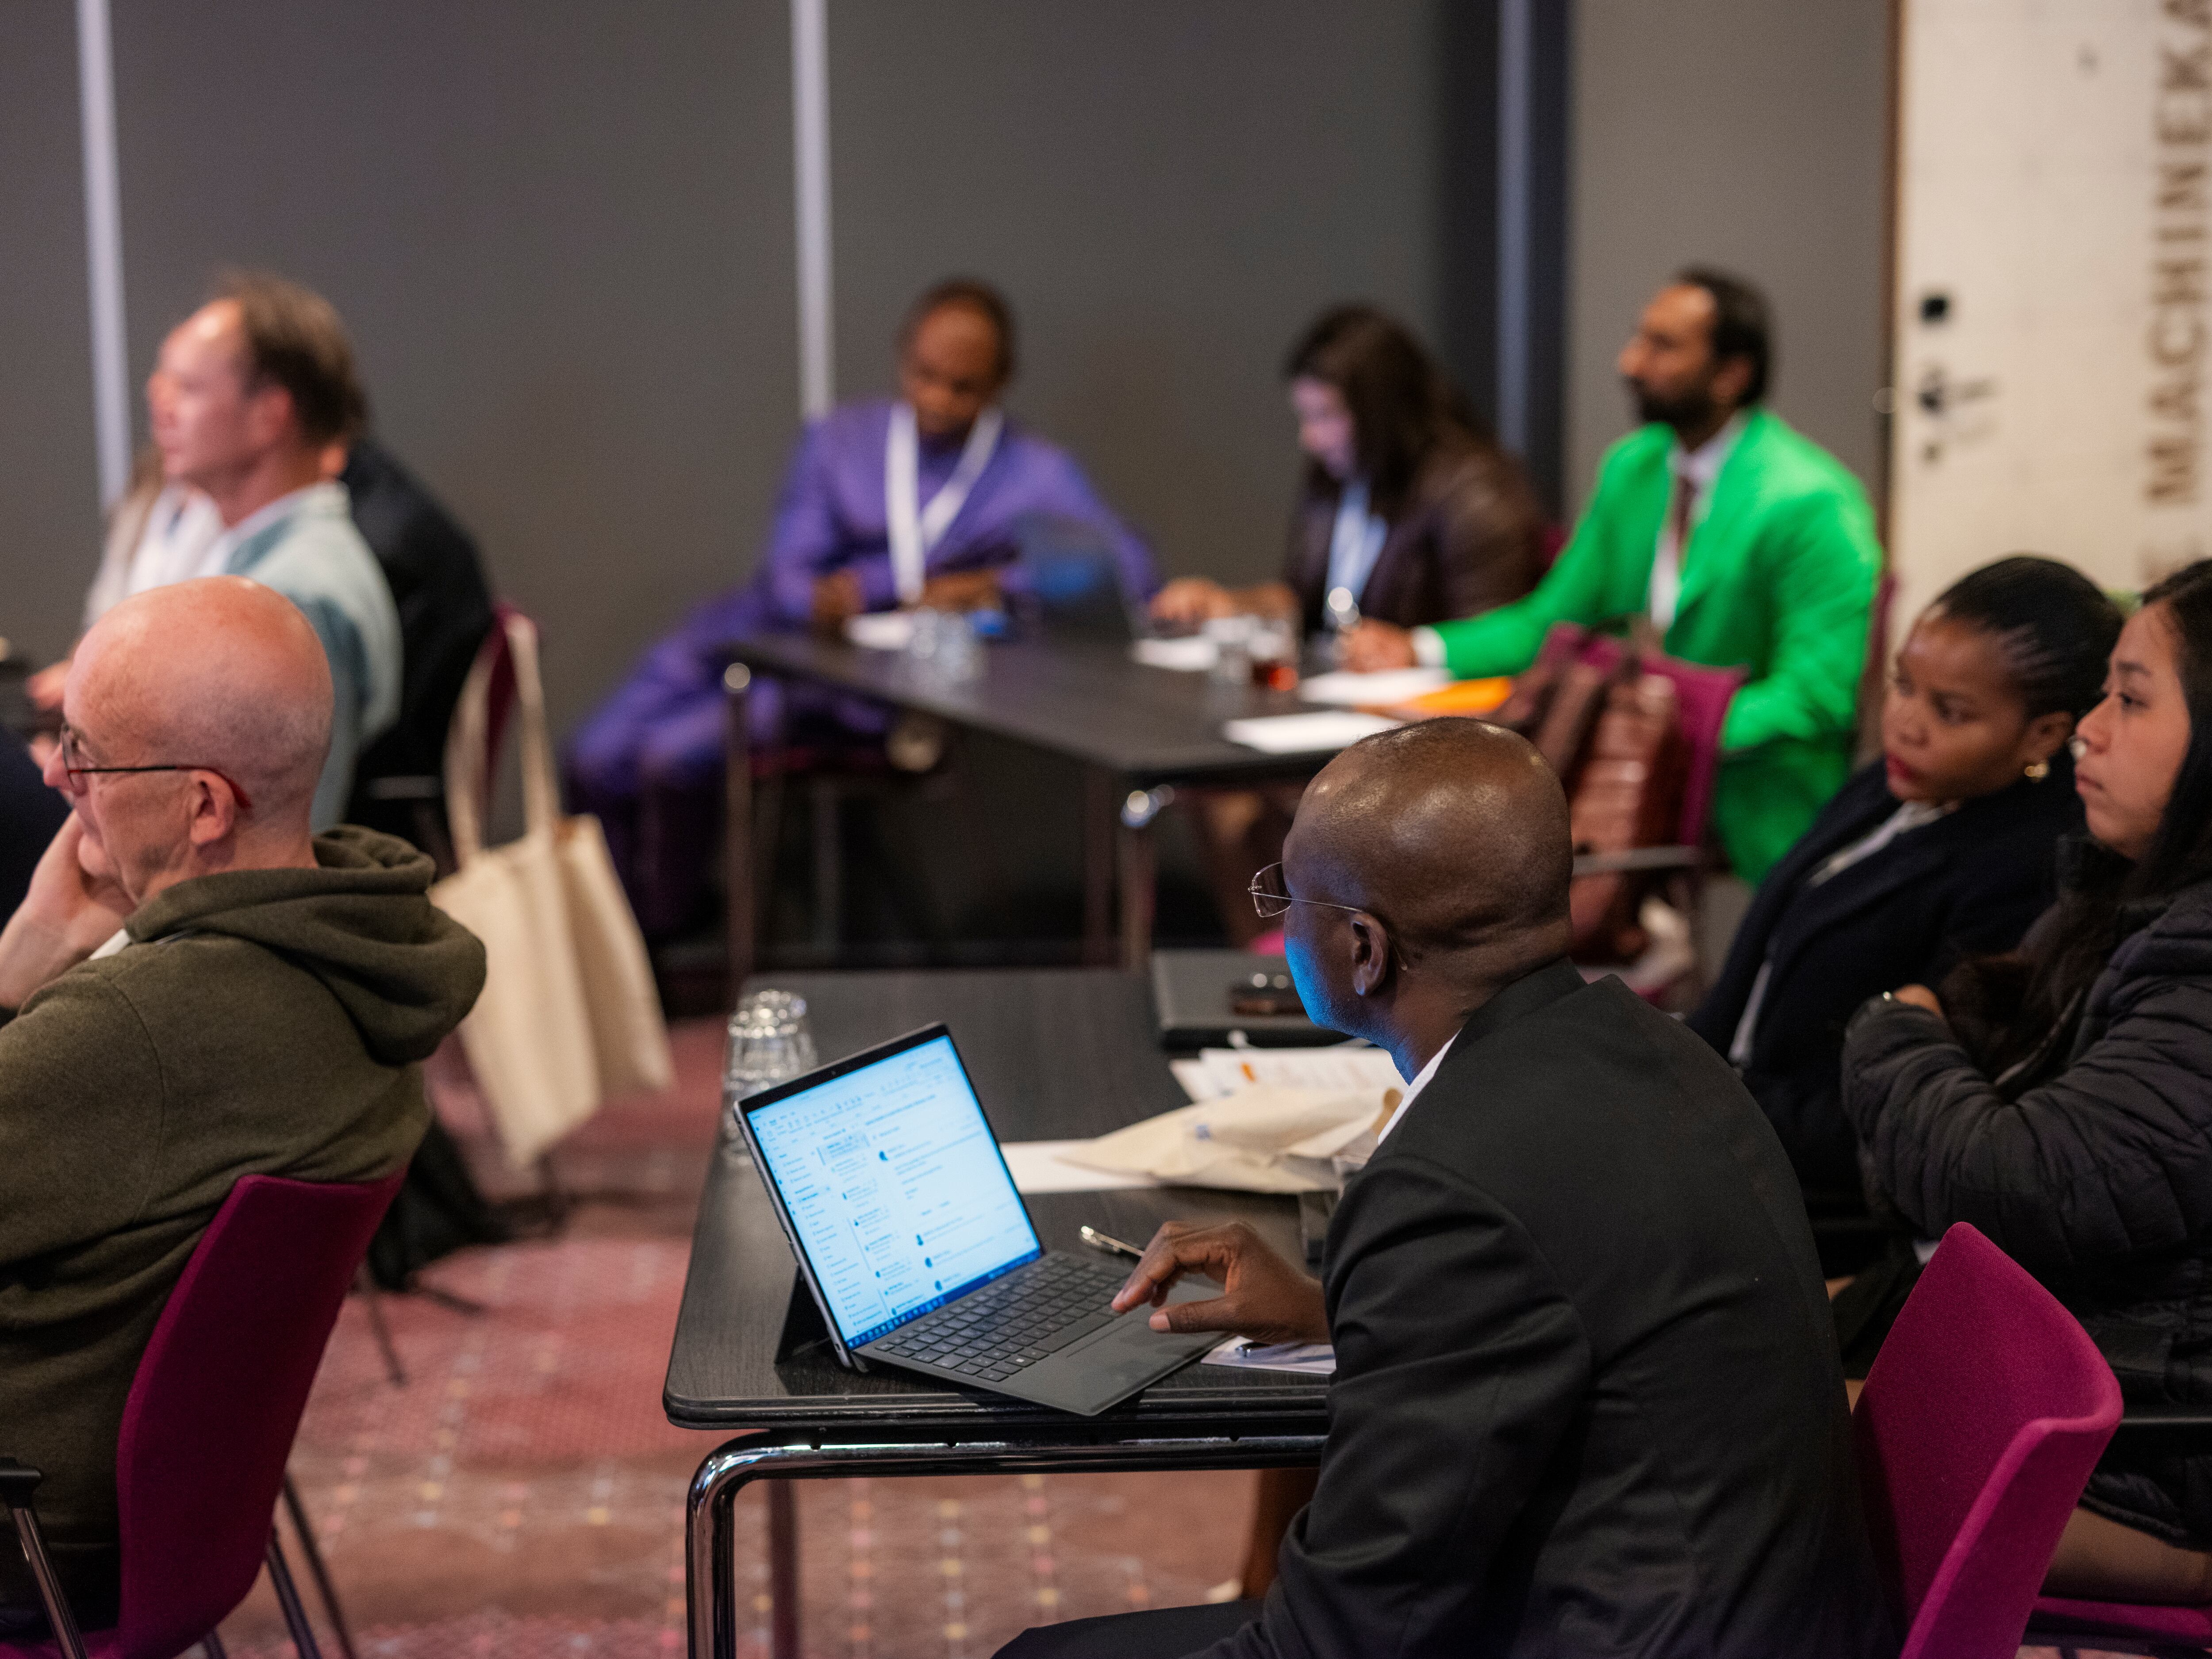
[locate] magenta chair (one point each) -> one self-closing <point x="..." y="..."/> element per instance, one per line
<point x="1981" y="1419"/>
<point x="210" y="1419"/>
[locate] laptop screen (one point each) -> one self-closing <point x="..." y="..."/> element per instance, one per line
<point x="894" y="1185"/>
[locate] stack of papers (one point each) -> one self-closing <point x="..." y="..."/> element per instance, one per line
<point x="1344" y="690"/>
<point x="1219" y="1072"/>
<point x="1303" y="734"/>
<point x="1037" y="1166"/>
<point x="881" y="630"/>
<point x="1307" y="1358"/>
<point x="1193" y="654"/>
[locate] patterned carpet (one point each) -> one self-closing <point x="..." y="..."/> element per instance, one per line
<point x="522" y="1494"/>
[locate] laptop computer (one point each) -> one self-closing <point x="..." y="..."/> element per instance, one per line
<point x="898" y="1205"/>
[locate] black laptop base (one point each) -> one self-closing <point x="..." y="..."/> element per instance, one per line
<point x="1046" y="1334"/>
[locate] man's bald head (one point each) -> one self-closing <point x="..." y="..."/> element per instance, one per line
<point x="1453" y="832"/>
<point x="221" y="674"/>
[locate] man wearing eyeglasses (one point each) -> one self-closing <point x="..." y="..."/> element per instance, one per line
<point x="196" y="988"/>
<point x="1586" y="1397"/>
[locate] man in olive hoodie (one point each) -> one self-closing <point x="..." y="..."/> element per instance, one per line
<point x="200" y="990"/>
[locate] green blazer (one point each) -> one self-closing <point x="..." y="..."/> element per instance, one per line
<point x="1778" y="578"/>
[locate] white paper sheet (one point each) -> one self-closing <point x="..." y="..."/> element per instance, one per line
<point x="1037" y="1167"/>
<point x="1307" y="1358"/>
<point x="1193" y="654"/>
<point x="1219" y="1071"/>
<point x="1393" y="685"/>
<point x="881" y="630"/>
<point x="1304" y="734"/>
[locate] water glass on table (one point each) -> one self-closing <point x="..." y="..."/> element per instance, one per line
<point x="770" y="1042"/>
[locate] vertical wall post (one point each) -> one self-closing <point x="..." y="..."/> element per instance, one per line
<point x="103" y="229"/>
<point x="810" y="113"/>
<point x="1517" y="61"/>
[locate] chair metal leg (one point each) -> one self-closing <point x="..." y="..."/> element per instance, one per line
<point x="33" y="1542"/>
<point x="373" y="1300"/>
<point x="320" y="1573"/>
<point x="211" y="1646"/>
<point x="288" y="1597"/>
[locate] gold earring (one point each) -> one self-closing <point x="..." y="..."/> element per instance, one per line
<point x="2037" y="770"/>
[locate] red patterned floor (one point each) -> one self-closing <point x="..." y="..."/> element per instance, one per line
<point x="522" y="1495"/>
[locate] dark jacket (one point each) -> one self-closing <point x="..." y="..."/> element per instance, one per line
<point x="1966" y="886"/>
<point x="1470" y="537"/>
<point x="261" y="1022"/>
<point x="444" y="612"/>
<point x="1587" y="1399"/>
<point x="2098" y="1179"/>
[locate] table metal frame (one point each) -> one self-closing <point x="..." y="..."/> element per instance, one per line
<point x="1128" y="778"/>
<point x="709" y="1529"/>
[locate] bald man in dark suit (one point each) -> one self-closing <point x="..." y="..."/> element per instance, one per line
<point x="1587" y="1399"/>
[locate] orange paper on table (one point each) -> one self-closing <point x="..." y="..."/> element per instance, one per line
<point x="1473" y="698"/>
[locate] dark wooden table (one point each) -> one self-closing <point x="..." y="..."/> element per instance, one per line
<point x="1054" y="1054"/>
<point x="1139" y="734"/>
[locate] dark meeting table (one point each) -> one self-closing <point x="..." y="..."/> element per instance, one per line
<point x="1137" y="733"/>
<point x="1054" y="1054"/>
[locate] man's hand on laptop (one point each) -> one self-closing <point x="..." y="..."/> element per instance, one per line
<point x="65" y="917"/>
<point x="1263" y="1296"/>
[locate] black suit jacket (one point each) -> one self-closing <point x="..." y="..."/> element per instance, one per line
<point x="1968" y="885"/>
<point x="1469" y="539"/>
<point x="1587" y="1399"/>
<point x="444" y="612"/>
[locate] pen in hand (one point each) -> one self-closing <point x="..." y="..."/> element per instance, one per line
<point x="1110" y="1244"/>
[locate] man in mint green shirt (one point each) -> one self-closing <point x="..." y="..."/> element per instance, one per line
<point x="1743" y="541"/>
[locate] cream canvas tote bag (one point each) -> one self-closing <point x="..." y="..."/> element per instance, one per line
<point x="567" y="1014"/>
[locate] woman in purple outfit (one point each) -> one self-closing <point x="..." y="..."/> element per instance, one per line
<point x="919" y="500"/>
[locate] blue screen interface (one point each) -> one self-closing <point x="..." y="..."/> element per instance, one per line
<point x="894" y="1187"/>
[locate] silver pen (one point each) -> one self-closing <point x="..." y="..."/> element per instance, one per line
<point x="1111" y="1245"/>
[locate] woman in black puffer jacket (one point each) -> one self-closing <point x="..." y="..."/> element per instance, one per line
<point x="2064" y="1104"/>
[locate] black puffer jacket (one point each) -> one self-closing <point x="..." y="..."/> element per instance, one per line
<point x="2098" y="1179"/>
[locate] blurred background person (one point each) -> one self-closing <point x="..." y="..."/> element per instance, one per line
<point x="1944" y="849"/>
<point x="969" y="483"/>
<point x="1408" y="509"/>
<point x="1744" y="543"/>
<point x="253" y="397"/>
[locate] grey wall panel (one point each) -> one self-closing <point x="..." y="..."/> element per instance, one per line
<point x="49" y="501"/>
<point x="1751" y="134"/>
<point x="560" y="232"/>
<point x="1168" y="192"/>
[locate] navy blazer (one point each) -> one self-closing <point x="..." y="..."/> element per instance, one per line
<point x="1968" y="885"/>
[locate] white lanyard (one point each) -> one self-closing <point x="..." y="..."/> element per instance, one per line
<point x="916" y="532"/>
<point x="1355" y="543"/>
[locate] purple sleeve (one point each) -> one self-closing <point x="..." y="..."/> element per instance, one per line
<point x="803" y="542"/>
<point x="1065" y="492"/>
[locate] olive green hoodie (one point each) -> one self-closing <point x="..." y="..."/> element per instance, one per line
<point x="264" y="1022"/>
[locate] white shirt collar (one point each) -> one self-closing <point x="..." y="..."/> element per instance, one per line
<point x="1703" y="465"/>
<point x="1419" y="1083"/>
<point x="327" y="497"/>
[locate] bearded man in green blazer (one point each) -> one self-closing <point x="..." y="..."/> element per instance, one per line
<point x="1746" y="544"/>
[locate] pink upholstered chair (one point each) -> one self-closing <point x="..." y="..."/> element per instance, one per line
<point x="211" y="1416"/>
<point x="1981" y="1419"/>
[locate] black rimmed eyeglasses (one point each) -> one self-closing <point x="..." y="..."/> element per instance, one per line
<point x="74" y="767"/>
<point x="1272" y="896"/>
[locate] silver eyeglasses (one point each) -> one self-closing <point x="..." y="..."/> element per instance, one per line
<point x="1272" y="896"/>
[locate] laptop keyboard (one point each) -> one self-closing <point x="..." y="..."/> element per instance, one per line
<point x="1030" y="1314"/>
